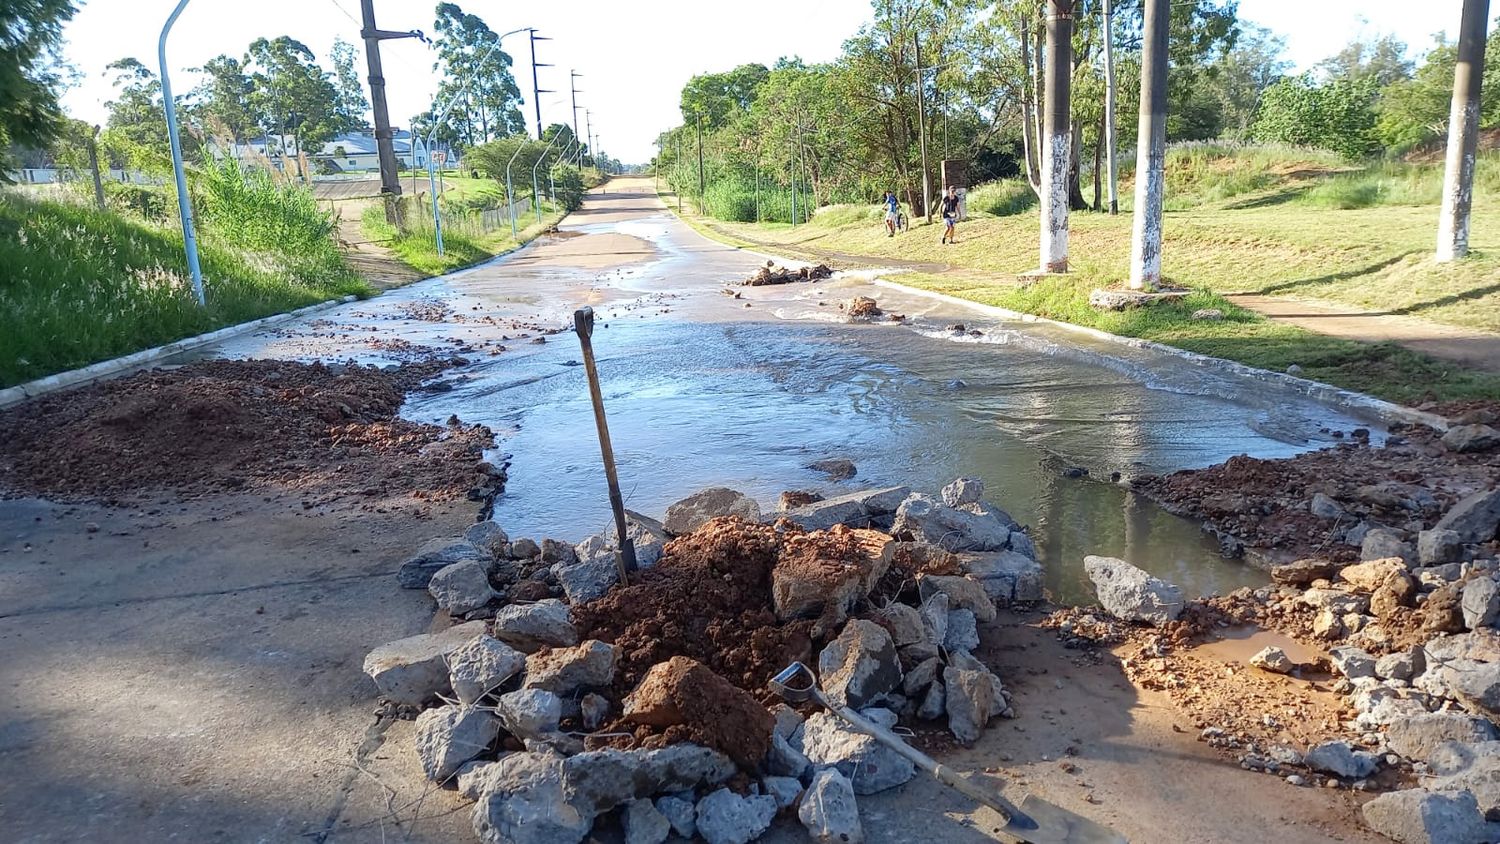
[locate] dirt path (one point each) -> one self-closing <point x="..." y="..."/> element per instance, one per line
<point x="371" y="259"/>
<point x="1468" y="346"/>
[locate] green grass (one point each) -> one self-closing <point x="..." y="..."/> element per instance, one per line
<point x="79" y="286"/>
<point x="465" y="241"/>
<point x="1233" y="231"/>
<point x="1002" y="198"/>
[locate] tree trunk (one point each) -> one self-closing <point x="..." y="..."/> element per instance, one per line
<point x="1029" y="145"/>
<point x="1463" y="133"/>
<point x="1098" y="155"/>
<point x="1057" y="139"/>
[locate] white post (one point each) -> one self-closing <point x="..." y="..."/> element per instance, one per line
<point x="1463" y="133"/>
<point x="1151" y="150"/>
<point x="1109" y="107"/>
<point x="1057" y="143"/>
<point x="184" y="202"/>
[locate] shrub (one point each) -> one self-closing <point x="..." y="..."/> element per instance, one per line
<point x="1002" y="198"/>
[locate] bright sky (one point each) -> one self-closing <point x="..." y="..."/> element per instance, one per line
<point x="634" y="57"/>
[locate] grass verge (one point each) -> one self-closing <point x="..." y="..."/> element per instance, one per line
<point x="465" y="241"/>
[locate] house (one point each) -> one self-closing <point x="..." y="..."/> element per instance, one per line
<point x="357" y="152"/>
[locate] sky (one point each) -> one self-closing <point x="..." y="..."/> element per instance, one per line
<point x="634" y="57"/>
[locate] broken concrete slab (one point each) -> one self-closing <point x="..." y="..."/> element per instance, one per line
<point x="1480" y="602"/>
<point x="970" y="700"/>
<point x="1436" y="547"/>
<point x="481" y="666"/>
<point x="1341" y="759"/>
<point x="963" y="491"/>
<point x="566" y="670"/>
<point x="1419" y="736"/>
<point x="951" y="528"/>
<point x="963" y="631"/>
<point x="860" y="666"/>
<point x="449" y="736"/>
<point x="829" y="811"/>
<point x="902" y="621"/>
<point x="415" y="669"/>
<point x="530" y="627"/>
<point x="1474" y="519"/>
<point x="724" y="817"/>
<point x="432" y="557"/>
<point x="870" y="765"/>
<point x="528" y="806"/>
<point x="1419" y="816"/>
<point x="857" y="509"/>
<point x="692" y="512"/>
<point x="1130" y="593"/>
<point x="785" y="790"/>
<point x="462" y="587"/>
<point x="529" y="713"/>
<point x="597" y="781"/>
<point x="963" y="593"/>
<point x="590" y="578"/>
<point x="1008" y="577"/>
<point x="680" y="813"/>
<point x="489" y="537"/>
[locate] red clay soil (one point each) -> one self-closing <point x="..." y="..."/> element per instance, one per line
<point x="231" y="425"/>
<point x="683" y="701"/>
<point x="1264" y="503"/>
<point x="708" y="598"/>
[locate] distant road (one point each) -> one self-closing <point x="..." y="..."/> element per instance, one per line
<point x="347" y="188"/>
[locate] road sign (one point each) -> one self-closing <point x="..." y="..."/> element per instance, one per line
<point x="441" y="157"/>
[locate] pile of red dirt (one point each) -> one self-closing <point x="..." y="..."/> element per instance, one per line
<point x="682" y="701"/>
<point x="227" y="425"/>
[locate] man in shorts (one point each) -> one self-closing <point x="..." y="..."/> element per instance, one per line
<point x="892" y="214"/>
<point x="950" y="215"/>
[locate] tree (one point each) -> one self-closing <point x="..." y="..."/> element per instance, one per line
<point x="1243" y="73"/>
<point x="719" y="97"/>
<point x="350" y="104"/>
<point x="30" y="77"/>
<point x="476" y="78"/>
<point x="1415" y="111"/>
<point x="292" y="92"/>
<point x="137" y="124"/>
<point x="1378" y="61"/>
<point x="1337" y="116"/>
<point x="223" y="101"/>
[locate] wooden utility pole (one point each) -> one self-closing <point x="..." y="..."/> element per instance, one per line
<point x="701" y="185"/>
<point x="94" y="166"/>
<point x="536" y="89"/>
<point x="922" y="129"/>
<point x="1057" y="141"/>
<point x="390" y="169"/>
<point x="1463" y="133"/>
<point x="573" y="87"/>
<point x="1109" y="108"/>
<point x="1151" y="149"/>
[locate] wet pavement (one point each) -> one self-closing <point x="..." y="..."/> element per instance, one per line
<point x="703" y="388"/>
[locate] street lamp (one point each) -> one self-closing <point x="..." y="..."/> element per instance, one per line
<point x="184" y="202"/>
<point x="536" y="196"/>
<point x="437" y="218"/>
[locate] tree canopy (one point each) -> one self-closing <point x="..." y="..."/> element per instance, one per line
<point x="31" y="74"/>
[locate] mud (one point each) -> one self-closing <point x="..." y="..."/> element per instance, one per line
<point x="682" y="701"/>
<point x="1407" y="483"/>
<point x="772" y="274"/>
<point x="328" y="431"/>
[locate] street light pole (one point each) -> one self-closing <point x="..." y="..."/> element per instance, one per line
<point x="536" y="196"/>
<point x="184" y="202"/>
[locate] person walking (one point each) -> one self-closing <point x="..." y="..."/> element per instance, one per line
<point x="892" y="214"/>
<point x="950" y="215"/>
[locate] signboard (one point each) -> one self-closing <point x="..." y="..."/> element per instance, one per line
<point x="441" y="157"/>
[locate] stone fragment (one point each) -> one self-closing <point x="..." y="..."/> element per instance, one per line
<point x="1418" y="816"/>
<point x="529" y="713"/>
<point x="590" y="578"/>
<point x="858" y="509"/>
<point x="525" y="549"/>
<point x="461" y="587"/>
<point x="593" y="709"/>
<point x="970" y="700"/>
<point x="1435" y="547"/>
<point x="1418" y="736"/>
<point x="557" y="551"/>
<point x="433" y="557"/>
<point x="488" y="537"/>
<point x="1443" y="612"/>
<point x="903" y="622"/>
<point x="1368" y="575"/>
<point x="531" y="627"/>
<point x="1327" y="624"/>
<point x="951" y="528"/>
<point x="1352" y="662"/>
<point x="644" y="824"/>
<point x="1339" y="600"/>
<point x="597" y="781"/>
<point x="1480" y="602"/>
<point x="785" y="760"/>
<point x="1273" y="659"/>
<point x="963" y="593"/>
<point x="692" y="512"/>
<point x="788" y="720"/>
<point x="1131" y="594"/>
<point x="829" y="810"/>
<point x="921" y="676"/>
<point x="449" y="736"/>
<point x="1341" y="759"/>
<point x="859" y="666"/>
<point x="565" y="670"/>
<point x="836" y="468"/>
<point x="481" y="666"/>
<point x="526" y="805"/>
<point x="963" y="491"/>
<point x="1324" y="507"/>
<point x="1475" y="684"/>
<point x="680" y="813"/>
<point x="1468" y="438"/>
<point x="1008" y="577"/>
<point x="1398" y="590"/>
<point x="414" y="669"/>
<point x="724" y="817"/>
<point x="963" y="631"/>
<point x="1303" y="572"/>
<point x="1397" y="666"/>
<point x="934" y="703"/>
<point x="871" y="766"/>
<point x="1384" y="543"/>
<point x="785" y="790"/>
<point x="1474" y="519"/>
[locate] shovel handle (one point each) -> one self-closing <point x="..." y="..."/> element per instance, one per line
<point x="583" y="322"/>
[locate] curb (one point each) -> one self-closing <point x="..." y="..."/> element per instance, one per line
<point x="136" y="361"/>
<point x="1382" y="409"/>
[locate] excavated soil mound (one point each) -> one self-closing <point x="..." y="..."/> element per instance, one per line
<point x="682" y="701"/>
<point x="772" y="274"/>
<point x="708" y="598"/>
<point x="227" y="425"/>
<point x="1265" y="503"/>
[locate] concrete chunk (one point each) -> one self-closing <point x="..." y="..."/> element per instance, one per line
<point x="414" y="669"/>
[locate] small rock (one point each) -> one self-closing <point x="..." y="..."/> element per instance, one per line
<point x="414" y="669"/>
<point x="565" y="670"/>
<point x="785" y="790"/>
<point x="1131" y="594"/>
<point x="921" y="676"/>
<point x="829" y="810"/>
<point x="1384" y="543"/>
<point x="963" y="491"/>
<point x="1325" y="507"/>
<point x="970" y="699"/>
<point x="644" y="824"/>
<point x="1467" y="438"/>
<point x="1328" y="625"/>
<point x="784" y="760"/>
<point x="433" y="557"/>
<point x="724" y="817"/>
<point x="1008" y="577"/>
<point x="529" y="713"/>
<point x="837" y="469"/>
<point x="963" y="631"/>
<point x="682" y="814"/>
<point x="597" y="781"/>
<point x="1273" y="659"/>
<point x="1417" y="737"/>
<point x="556" y="551"/>
<point x="1303" y="572"/>
<point x="593" y="709"/>
<point x="461" y="587"/>
<point x="1397" y="666"/>
<point x="961" y="593"/>
<point x="1208" y="315"/>
<point x="692" y="512"/>
<point x="525" y="804"/>
<point x="857" y="509"/>
<point x="525" y="549"/>
<point x="1474" y="519"/>
<point x="488" y="537"/>
<point x="871" y="766"/>
<point x="951" y="528"/>
<point x="449" y="736"/>
<point x="1418" y="816"/>
<point x="934" y="703"/>
<point x="860" y="666"/>
<point x="531" y="627"/>
<point x="863" y="308"/>
<point x="903" y="622"/>
<point x="1369" y="575"/>
<point x="1435" y="547"/>
<point x="1480" y="602"/>
<point x="1352" y="662"/>
<point x="1340" y="759"/>
<point x="588" y="579"/>
<point x="481" y="666"/>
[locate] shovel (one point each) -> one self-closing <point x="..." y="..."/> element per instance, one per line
<point x="583" y="324"/>
<point x="1035" y="820"/>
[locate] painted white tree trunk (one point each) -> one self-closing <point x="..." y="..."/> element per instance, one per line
<point x="1145" y="235"/>
<point x="1057" y="153"/>
<point x="1463" y="133"/>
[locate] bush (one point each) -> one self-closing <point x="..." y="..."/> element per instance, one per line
<point x="1002" y="198"/>
<point x="567" y="181"/>
<point x="1337" y="116"/>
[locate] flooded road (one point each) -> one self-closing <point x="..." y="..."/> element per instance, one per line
<point x="705" y="389"/>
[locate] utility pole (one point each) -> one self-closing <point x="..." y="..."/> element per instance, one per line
<point x="1463" y="133"/>
<point x="573" y="86"/>
<point x="94" y="166"/>
<point x="701" y="185"/>
<point x="536" y="90"/>
<point x="922" y="129"/>
<point x="588" y="134"/>
<point x="1109" y="107"/>
<point x="1151" y="149"/>
<point x="1058" y="136"/>
<point x="390" y="169"/>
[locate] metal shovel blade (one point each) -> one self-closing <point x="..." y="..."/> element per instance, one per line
<point x="1056" y="825"/>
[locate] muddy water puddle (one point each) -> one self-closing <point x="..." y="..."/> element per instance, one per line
<point x="1240" y="643"/>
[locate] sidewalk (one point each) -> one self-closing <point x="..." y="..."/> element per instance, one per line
<point x="1470" y="347"/>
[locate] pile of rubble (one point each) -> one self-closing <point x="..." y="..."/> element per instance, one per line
<point x="1412" y="670"/>
<point x="567" y="698"/>
<point x="772" y="274"/>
